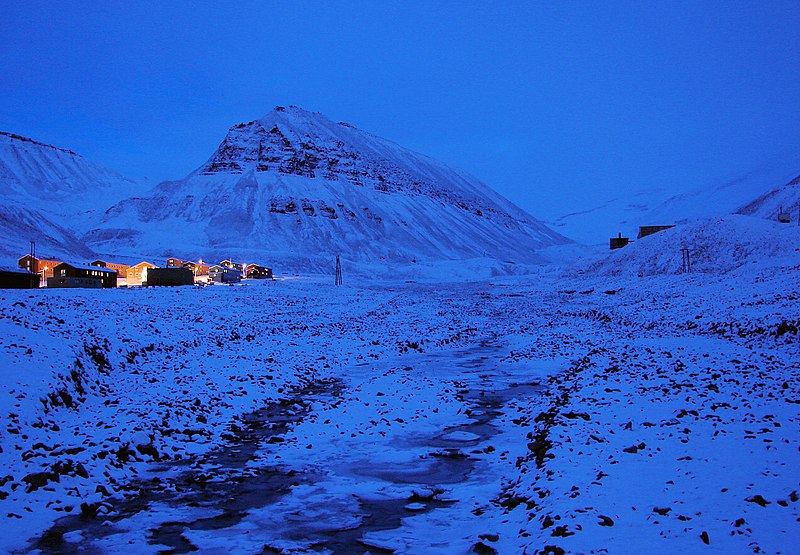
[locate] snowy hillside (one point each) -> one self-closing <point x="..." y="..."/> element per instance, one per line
<point x="785" y="198"/>
<point x="19" y="224"/>
<point x="300" y="189"/>
<point x="51" y="195"/>
<point x="716" y="245"/>
<point x="594" y="225"/>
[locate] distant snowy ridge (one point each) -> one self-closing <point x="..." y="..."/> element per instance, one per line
<point x="297" y="188"/>
<point x="51" y="195"/>
<point x="784" y="199"/>
<point x="56" y="179"/>
<point x="624" y="214"/>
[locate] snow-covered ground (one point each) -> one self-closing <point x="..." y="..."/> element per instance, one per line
<point x="548" y="413"/>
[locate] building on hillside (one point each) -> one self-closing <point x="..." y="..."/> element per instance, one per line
<point x="169" y="277"/>
<point x="645" y="230"/>
<point x="231" y="264"/>
<point x="137" y="273"/>
<point x="174" y="263"/>
<point x="18" y="278"/>
<point x="201" y="269"/>
<point x="198" y="269"/>
<point x="41" y="266"/>
<point x="784" y="217"/>
<point x="221" y="274"/>
<point x="121" y="269"/>
<point x="254" y="271"/>
<point x="618" y="242"/>
<point x="77" y="275"/>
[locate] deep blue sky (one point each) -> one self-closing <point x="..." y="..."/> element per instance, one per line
<point x="555" y="105"/>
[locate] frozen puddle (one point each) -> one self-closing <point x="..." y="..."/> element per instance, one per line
<point x="354" y="466"/>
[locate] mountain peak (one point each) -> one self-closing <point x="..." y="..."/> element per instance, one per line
<point x="298" y="186"/>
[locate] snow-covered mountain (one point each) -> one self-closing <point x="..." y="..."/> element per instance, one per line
<point x="783" y="199"/>
<point x="51" y="195"/>
<point x="298" y="189"/>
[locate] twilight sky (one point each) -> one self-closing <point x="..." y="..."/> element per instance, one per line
<point x="557" y="105"/>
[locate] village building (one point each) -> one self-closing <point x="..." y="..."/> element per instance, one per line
<point x="77" y="275"/>
<point x="618" y="242"/>
<point x="254" y="271"/>
<point x="645" y="230"/>
<point x="137" y="273"/>
<point x="41" y="266"/>
<point x="121" y="269"/>
<point x="170" y="277"/>
<point x="221" y="274"/>
<point x="231" y="264"/>
<point x="198" y="268"/>
<point x="174" y="263"/>
<point x="18" y="278"/>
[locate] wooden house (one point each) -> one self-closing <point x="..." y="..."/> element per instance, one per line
<point x="121" y="269"/>
<point x="137" y="273"/>
<point x="18" y="278"/>
<point x="174" y="263"/>
<point x="231" y="264"/>
<point x="170" y="277"/>
<point x="201" y="269"/>
<point x="254" y="271"/>
<point x="77" y="275"/>
<point x="41" y="266"/>
<point x="618" y="242"/>
<point x="221" y="274"/>
<point x="645" y="230"/>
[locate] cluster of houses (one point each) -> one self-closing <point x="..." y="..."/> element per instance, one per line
<point x="33" y="272"/>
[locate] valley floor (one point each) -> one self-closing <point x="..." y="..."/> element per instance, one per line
<point x="523" y="415"/>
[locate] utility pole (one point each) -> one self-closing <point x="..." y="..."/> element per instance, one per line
<point x="338" y="271"/>
<point x="686" y="264"/>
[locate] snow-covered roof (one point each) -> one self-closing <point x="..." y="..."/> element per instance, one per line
<point x="15" y="270"/>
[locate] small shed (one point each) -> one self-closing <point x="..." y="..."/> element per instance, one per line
<point x="618" y="242"/>
<point x="18" y="278"/>
<point x="645" y="230"/>
<point x="221" y="274"/>
<point x="78" y="275"/>
<point x="170" y="277"/>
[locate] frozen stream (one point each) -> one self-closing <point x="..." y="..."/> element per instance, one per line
<point x="383" y="460"/>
